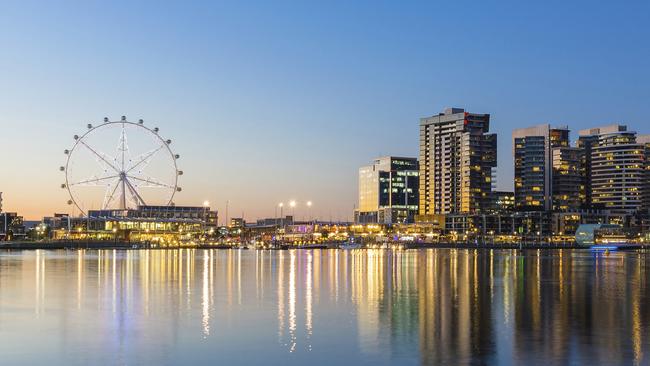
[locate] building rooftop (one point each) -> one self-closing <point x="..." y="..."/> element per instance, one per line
<point x="450" y="115"/>
<point x="452" y="110"/>
<point x="603" y="130"/>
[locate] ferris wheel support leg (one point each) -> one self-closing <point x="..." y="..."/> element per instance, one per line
<point x="134" y="192"/>
<point x="110" y="198"/>
<point x="123" y="198"/>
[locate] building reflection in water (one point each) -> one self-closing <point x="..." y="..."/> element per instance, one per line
<point x="430" y="306"/>
<point x="206" y="295"/>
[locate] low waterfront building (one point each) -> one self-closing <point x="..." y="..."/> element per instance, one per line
<point x="526" y="225"/>
<point x="503" y="201"/>
<point x="236" y="223"/>
<point x="59" y="221"/>
<point x="592" y="234"/>
<point x="276" y="221"/>
<point x="362" y="217"/>
<point x="295" y="232"/>
<point x="566" y="223"/>
<point x="209" y="218"/>
<point x="11" y="226"/>
<point x="165" y="225"/>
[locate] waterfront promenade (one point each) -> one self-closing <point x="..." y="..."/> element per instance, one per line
<point x="32" y="245"/>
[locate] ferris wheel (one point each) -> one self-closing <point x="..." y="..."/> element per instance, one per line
<point x="120" y="165"/>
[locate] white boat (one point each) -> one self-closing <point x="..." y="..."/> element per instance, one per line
<point x="350" y="246"/>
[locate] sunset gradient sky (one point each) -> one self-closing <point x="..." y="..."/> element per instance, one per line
<point x="276" y="100"/>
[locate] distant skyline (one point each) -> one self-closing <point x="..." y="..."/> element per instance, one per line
<point x="269" y="102"/>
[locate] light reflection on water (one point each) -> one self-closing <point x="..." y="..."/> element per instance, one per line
<point x="324" y="306"/>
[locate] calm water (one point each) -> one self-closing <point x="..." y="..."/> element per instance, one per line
<point x="324" y="307"/>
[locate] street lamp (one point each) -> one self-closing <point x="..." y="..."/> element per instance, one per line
<point x="310" y="221"/>
<point x="281" y="206"/>
<point x="206" y="205"/>
<point x="277" y="222"/>
<point x="309" y="209"/>
<point x="292" y="203"/>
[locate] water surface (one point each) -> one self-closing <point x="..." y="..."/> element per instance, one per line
<point x="323" y="307"/>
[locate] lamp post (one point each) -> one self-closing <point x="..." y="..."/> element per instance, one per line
<point x="277" y="222"/>
<point x="309" y="203"/>
<point x="292" y="204"/>
<point x="277" y="218"/>
<point x="310" y="221"/>
<point x="206" y="207"/>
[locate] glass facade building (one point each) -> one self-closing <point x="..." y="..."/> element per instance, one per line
<point x="388" y="191"/>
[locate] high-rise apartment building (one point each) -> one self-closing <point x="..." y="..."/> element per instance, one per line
<point x="388" y="191"/>
<point x="547" y="169"/>
<point x="567" y="190"/>
<point x="645" y="141"/>
<point x="617" y="171"/>
<point x="457" y="157"/>
<point x="585" y="144"/>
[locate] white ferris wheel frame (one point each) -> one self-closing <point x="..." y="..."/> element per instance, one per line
<point x="122" y="177"/>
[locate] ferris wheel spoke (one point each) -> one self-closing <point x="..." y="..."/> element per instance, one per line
<point x="153" y="182"/>
<point x="101" y="156"/>
<point x="145" y="158"/>
<point x="125" y="147"/>
<point x="92" y="180"/>
<point x="121" y="147"/>
<point x="107" y="201"/>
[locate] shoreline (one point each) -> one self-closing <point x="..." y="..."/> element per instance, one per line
<point x="76" y="245"/>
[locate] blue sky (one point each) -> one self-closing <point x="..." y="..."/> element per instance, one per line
<point x="272" y="101"/>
